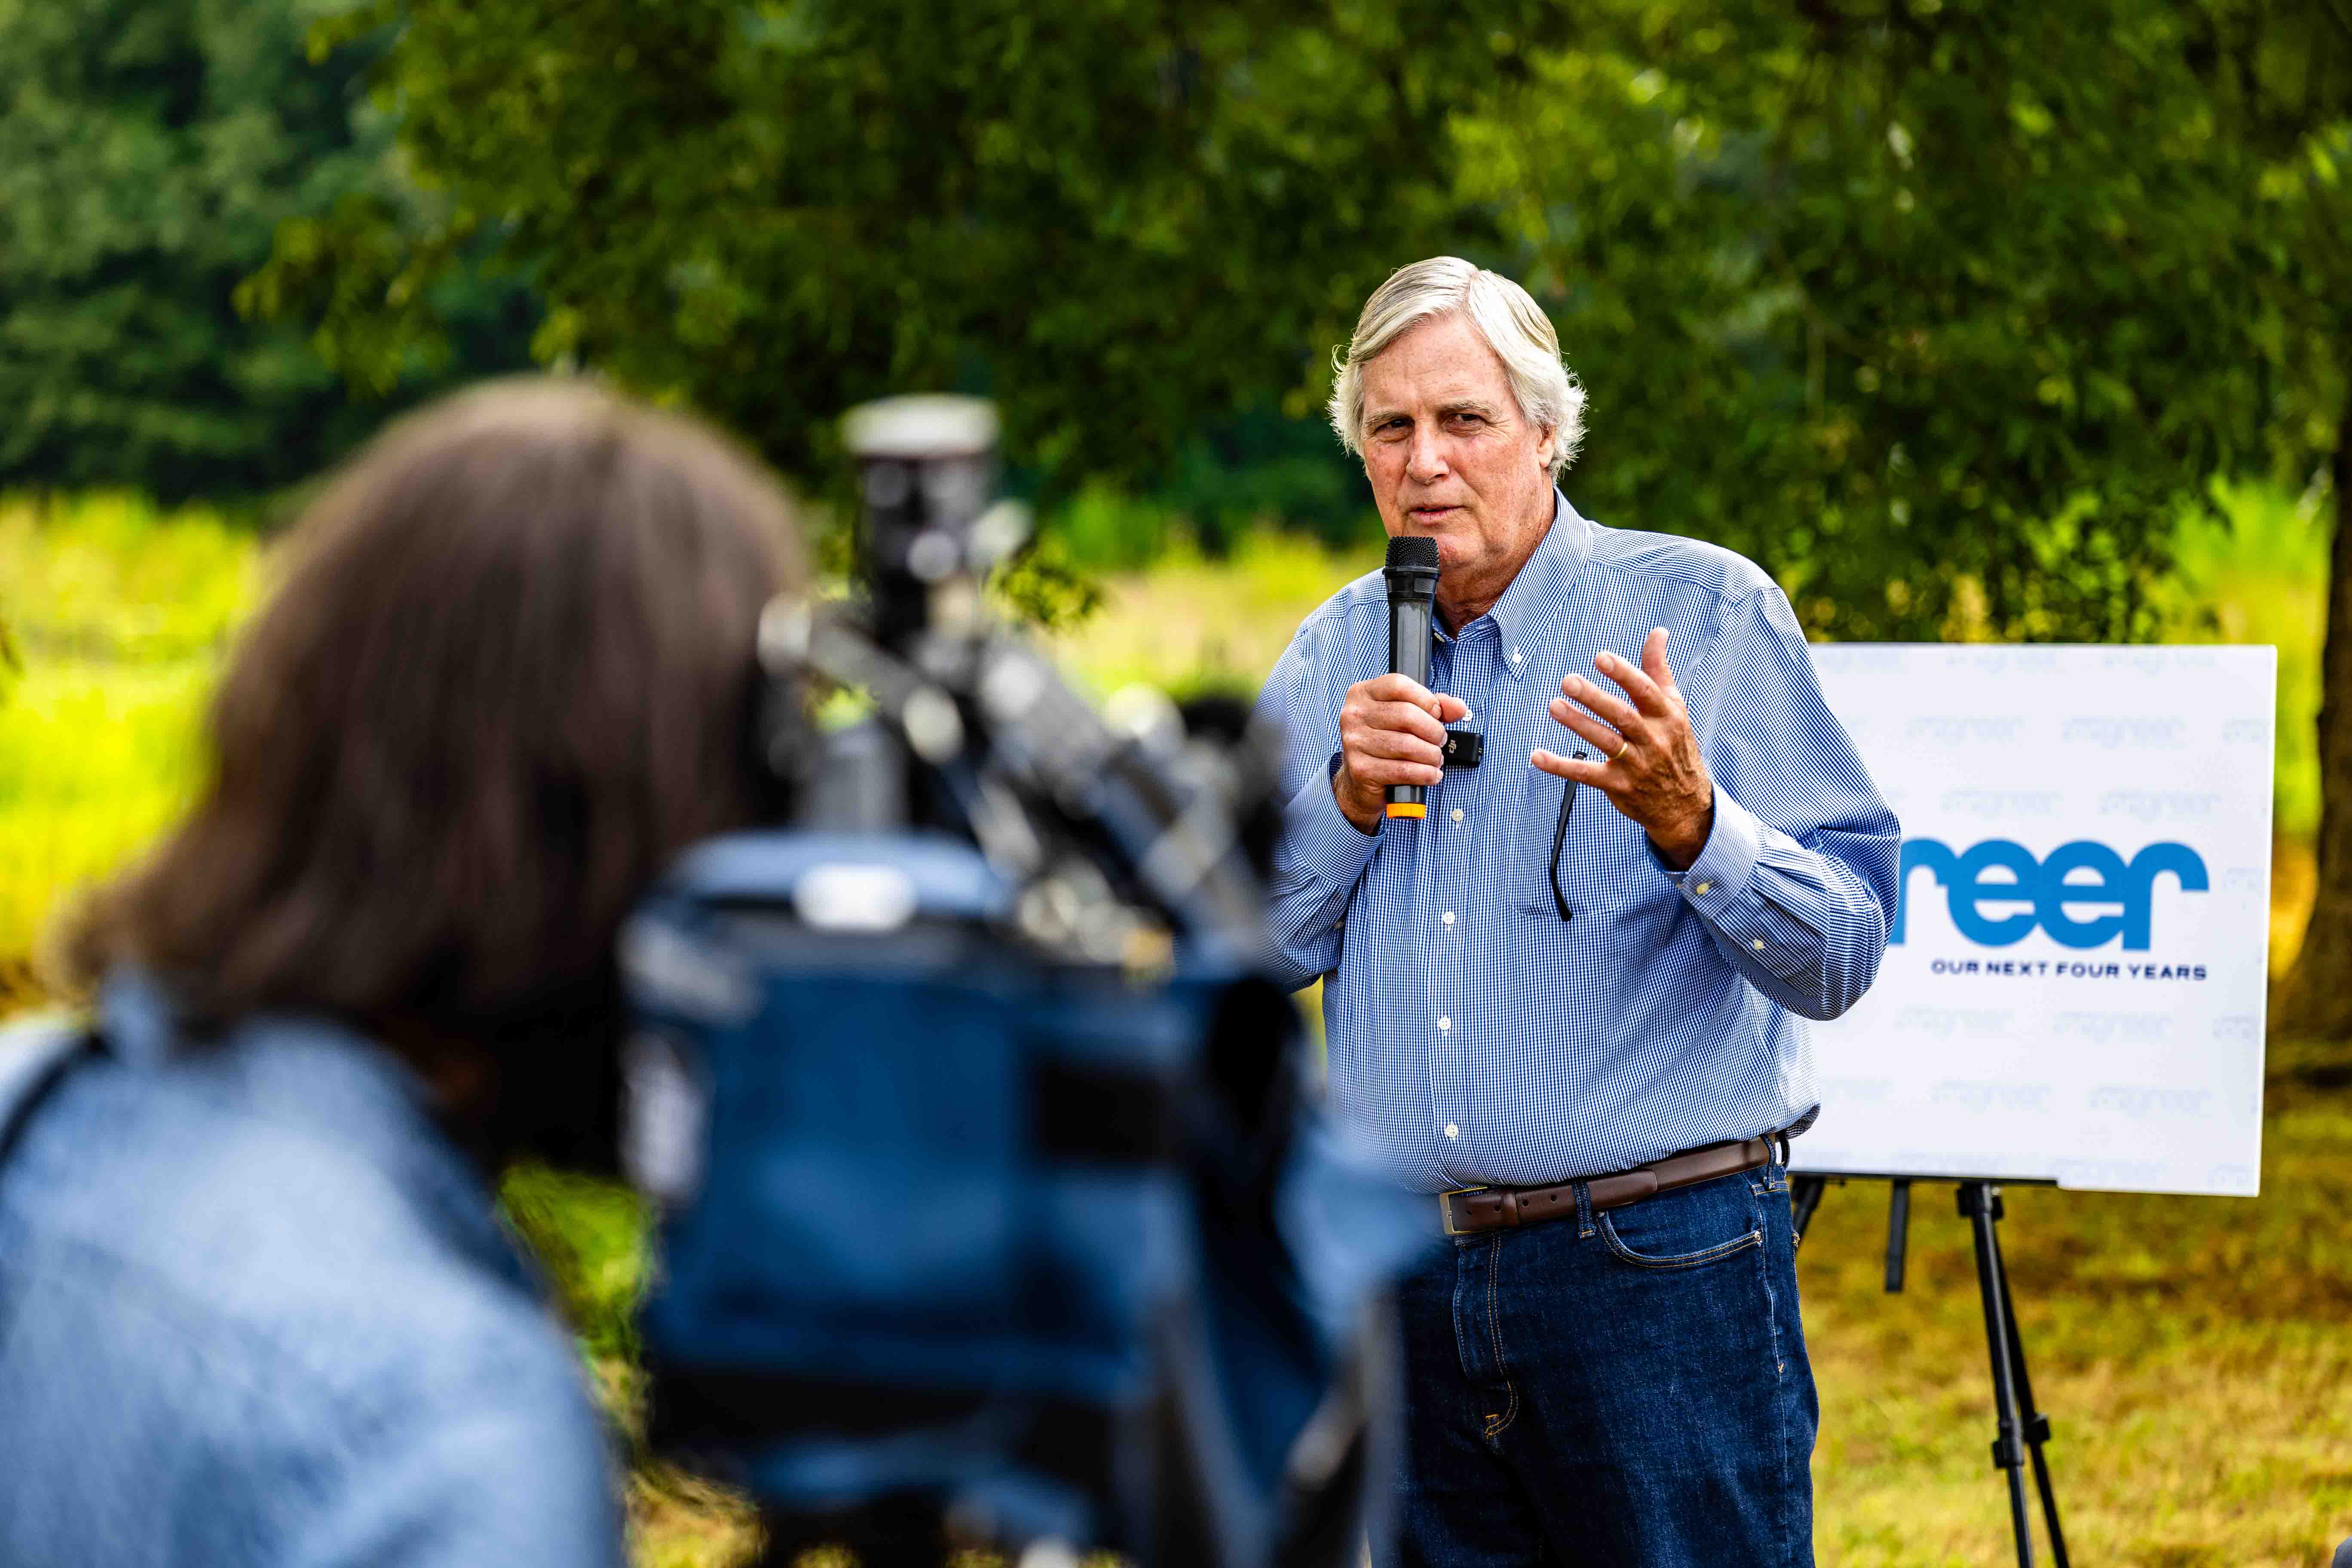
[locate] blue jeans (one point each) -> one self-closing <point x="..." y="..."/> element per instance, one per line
<point x="1626" y="1388"/>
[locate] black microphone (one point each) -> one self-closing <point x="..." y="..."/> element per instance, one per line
<point x="1411" y="574"/>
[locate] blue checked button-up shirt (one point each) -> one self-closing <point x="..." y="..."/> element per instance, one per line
<point x="1474" y="1034"/>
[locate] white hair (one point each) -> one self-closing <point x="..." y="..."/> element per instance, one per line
<point x="1504" y="318"/>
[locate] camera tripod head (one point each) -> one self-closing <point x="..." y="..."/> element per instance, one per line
<point x="933" y="526"/>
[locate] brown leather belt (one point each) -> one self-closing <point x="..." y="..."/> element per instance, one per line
<point x="1469" y="1211"/>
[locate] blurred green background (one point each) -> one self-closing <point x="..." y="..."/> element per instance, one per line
<point x="1969" y="321"/>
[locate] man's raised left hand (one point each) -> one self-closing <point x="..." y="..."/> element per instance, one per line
<point x="1649" y="764"/>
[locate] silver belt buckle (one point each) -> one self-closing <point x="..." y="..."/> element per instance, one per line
<point x="1445" y="1209"/>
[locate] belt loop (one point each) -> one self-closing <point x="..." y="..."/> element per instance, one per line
<point x="1583" y="1209"/>
<point x="1511" y="1207"/>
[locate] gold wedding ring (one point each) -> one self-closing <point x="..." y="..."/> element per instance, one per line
<point x="1619" y="754"/>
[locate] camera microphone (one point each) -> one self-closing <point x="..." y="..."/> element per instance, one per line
<point x="1411" y="574"/>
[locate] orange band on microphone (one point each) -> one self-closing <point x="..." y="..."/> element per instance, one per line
<point x="1407" y="808"/>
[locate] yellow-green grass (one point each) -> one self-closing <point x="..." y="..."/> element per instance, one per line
<point x="114" y="618"/>
<point x="94" y="759"/>
<point x="2194" y="1355"/>
<point x="2192" y="1351"/>
<point x="1190" y="624"/>
<point x="106" y="575"/>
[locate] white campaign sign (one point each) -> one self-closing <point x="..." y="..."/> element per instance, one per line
<point x="2075" y="991"/>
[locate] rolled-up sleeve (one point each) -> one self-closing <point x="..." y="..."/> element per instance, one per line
<point x="1797" y="881"/>
<point x="1321" y="856"/>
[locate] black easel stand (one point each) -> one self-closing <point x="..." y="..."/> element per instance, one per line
<point x="2021" y="1426"/>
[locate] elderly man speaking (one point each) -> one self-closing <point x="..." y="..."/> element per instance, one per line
<point x="1569" y="999"/>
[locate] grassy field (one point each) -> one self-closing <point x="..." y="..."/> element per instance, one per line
<point x="2193" y="1352"/>
<point x="116" y="619"/>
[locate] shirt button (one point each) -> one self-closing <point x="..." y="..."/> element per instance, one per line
<point x="1457" y="814"/>
<point x="1515" y="655"/>
<point x="1445" y="1024"/>
<point x="1449" y="917"/>
<point x="1759" y="944"/>
<point x="1467" y="715"/>
<point x="1452" y="1131"/>
<point x="1703" y="887"/>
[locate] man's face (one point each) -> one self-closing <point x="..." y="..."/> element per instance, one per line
<point x="1452" y="458"/>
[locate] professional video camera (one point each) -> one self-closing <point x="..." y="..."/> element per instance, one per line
<point x="995" y="1213"/>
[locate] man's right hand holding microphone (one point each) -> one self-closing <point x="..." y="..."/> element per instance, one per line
<point x="1391" y="732"/>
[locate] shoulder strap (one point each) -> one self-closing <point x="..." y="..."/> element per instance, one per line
<point x="34" y="1055"/>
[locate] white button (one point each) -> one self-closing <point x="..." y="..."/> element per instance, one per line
<point x="1449" y="917"/>
<point x="1760" y="944"/>
<point x="1515" y="655"/>
<point x="1452" y="1131"/>
<point x="1703" y="887"/>
<point x="1467" y="715"/>
<point x="1445" y="1023"/>
<point x="1457" y="814"/>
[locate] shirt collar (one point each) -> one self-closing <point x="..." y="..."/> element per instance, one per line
<point x="1532" y="603"/>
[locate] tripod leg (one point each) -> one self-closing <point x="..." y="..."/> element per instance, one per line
<point x="1980" y="1204"/>
<point x="1807" y="1197"/>
<point x="1898" y="1231"/>
<point x="2036" y="1425"/>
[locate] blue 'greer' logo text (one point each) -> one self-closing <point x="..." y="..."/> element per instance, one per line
<point x="2103" y="879"/>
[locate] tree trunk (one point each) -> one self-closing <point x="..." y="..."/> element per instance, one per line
<point x="2315" y="1002"/>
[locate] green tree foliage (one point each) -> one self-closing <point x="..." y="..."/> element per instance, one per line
<point x="1936" y="309"/>
<point x="1935" y="306"/>
<point x="1125" y="219"/>
<point x="2280" y="72"/>
<point x="149" y="150"/>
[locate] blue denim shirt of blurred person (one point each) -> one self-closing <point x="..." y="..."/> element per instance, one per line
<point x="255" y="1309"/>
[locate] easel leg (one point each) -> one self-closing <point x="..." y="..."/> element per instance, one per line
<point x="1898" y="1231"/>
<point x="1980" y="1204"/>
<point x="1805" y="1198"/>
<point x="2036" y="1425"/>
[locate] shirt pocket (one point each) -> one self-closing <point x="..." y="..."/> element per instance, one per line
<point x="1603" y="863"/>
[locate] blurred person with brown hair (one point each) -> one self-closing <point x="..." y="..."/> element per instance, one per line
<point x="254" y="1306"/>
